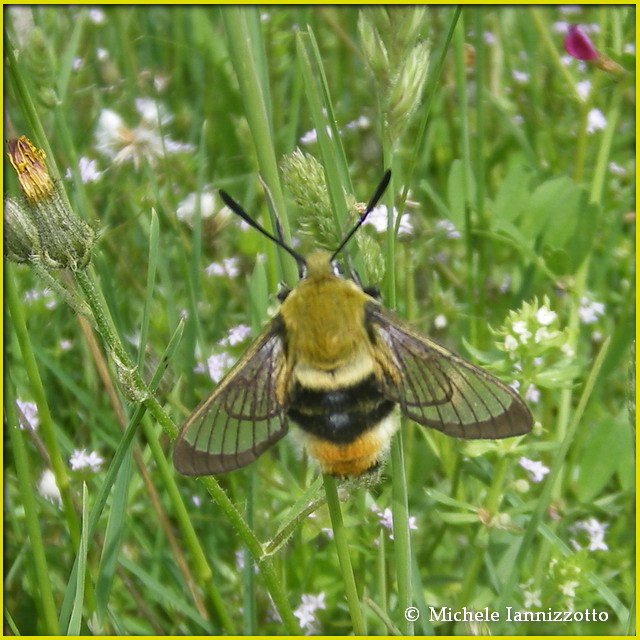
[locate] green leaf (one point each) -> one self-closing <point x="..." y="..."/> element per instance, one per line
<point x="606" y="450"/>
<point x="513" y="193"/>
<point x="113" y="537"/>
<point x="552" y="211"/>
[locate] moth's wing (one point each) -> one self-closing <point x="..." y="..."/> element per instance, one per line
<point x="439" y="389"/>
<point x="241" y="418"/>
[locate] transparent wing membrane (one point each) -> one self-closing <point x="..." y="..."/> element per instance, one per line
<point x="241" y="418"/>
<point x="438" y="389"/>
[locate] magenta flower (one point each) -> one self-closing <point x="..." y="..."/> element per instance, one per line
<point x="578" y="44"/>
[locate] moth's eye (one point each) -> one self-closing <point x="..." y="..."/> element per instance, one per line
<point x="374" y="292"/>
<point x="337" y="269"/>
<point x="283" y="293"/>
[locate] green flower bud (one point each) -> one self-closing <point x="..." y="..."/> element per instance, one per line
<point x="21" y="242"/>
<point x="65" y="240"/>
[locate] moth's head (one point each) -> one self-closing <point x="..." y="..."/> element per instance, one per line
<point x="320" y="265"/>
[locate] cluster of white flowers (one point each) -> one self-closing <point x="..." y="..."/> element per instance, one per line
<point x="537" y="470"/>
<point x="80" y="460"/>
<point x="235" y="336"/>
<point x="595" y="531"/>
<point x="218" y="364"/>
<point x="524" y="331"/>
<point x="531" y="596"/>
<point x="229" y="268"/>
<point x="46" y="294"/>
<point x="385" y="518"/>
<point x="590" y="310"/>
<point x="306" y="612"/>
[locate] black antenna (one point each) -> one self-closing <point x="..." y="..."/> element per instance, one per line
<point x="372" y="205"/>
<point x="238" y="210"/>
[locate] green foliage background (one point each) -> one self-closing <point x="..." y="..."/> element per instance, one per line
<point x="540" y="211"/>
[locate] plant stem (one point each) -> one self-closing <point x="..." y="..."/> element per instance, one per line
<point x="401" y="535"/>
<point x="342" y="546"/>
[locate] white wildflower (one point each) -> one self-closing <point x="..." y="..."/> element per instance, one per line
<point x="521" y="329"/>
<point x="65" y="345"/>
<point x="595" y="530"/>
<point x="359" y="123"/>
<point x="630" y="48"/>
<point x="448" y="228"/>
<point x="29" y="411"/>
<point x="236" y="335"/>
<point x="515" y="385"/>
<point x="228" y="267"/>
<point x="121" y="144"/>
<point x="218" y="364"/>
<point x="569" y="588"/>
<point x="616" y="169"/>
<point x="533" y="394"/>
<point x="152" y="112"/>
<point x="517" y="120"/>
<point x="440" y="321"/>
<point x="89" y="171"/>
<point x="561" y="26"/>
<point x="545" y="316"/>
<point x="537" y="470"/>
<point x="97" y="16"/>
<point x="568" y="350"/>
<point x="76" y="64"/>
<point x="532" y="598"/>
<point x="48" y="488"/>
<point x="186" y="210"/>
<point x="197" y="500"/>
<point x="596" y="121"/>
<point x="521" y="77"/>
<point x="102" y="54"/>
<point x="584" y="89"/>
<point x="80" y="459"/>
<point x="385" y="518"/>
<point x="488" y="37"/>
<point x="590" y="310"/>
<point x="307" y="610"/>
<point x="510" y="343"/>
<point x="378" y="218"/>
<point x="309" y="137"/>
<point x="543" y="334"/>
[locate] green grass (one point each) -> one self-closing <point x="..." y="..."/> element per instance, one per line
<point x="542" y="217"/>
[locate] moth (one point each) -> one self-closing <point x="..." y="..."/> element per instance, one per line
<point x="339" y="368"/>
